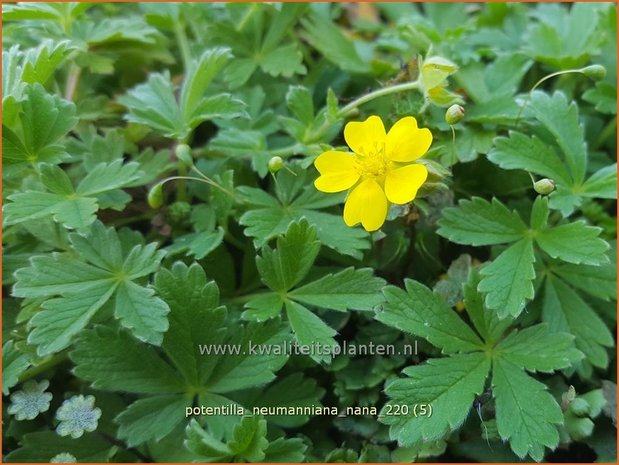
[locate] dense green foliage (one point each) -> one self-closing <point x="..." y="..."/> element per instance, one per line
<point x="159" y="205"/>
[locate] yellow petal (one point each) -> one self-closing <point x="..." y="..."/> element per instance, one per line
<point x="366" y="204"/>
<point x="337" y="171"/>
<point x="401" y="184"/>
<point x="406" y="142"/>
<point x="365" y="137"/>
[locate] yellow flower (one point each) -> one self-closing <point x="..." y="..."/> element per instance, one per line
<point x="378" y="172"/>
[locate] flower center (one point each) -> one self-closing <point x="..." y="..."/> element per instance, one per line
<point x="374" y="164"/>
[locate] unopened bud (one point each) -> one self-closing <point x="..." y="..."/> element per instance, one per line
<point x="183" y="153"/>
<point x="544" y="186"/>
<point x="454" y="114"/>
<point x="155" y="196"/>
<point x="580" y="407"/>
<point x="275" y="164"/>
<point x="178" y="213"/>
<point x="595" y="72"/>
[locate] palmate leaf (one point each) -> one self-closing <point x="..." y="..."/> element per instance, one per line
<point x="73" y="208"/>
<point x="77" y="286"/>
<point x="154" y="104"/>
<point x="267" y="216"/>
<point x="282" y="268"/>
<point x="452" y="383"/>
<point x="247" y="442"/>
<point x="184" y="368"/>
<point x="565" y="40"/>
<point x="45" y="119"/>
<point x="519" y="151"/>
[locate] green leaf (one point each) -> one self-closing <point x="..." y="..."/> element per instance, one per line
<point x="246" y="369"/>
<point x="300" y="104"/>
<point x="113" y="360"/>
<point x="271" y="217"/>
<point x="561" y="119"/>
<point x="285" y="451"/>
<point x="598" y="281"/>
<point x="108" y="176"/>
<point x="603" y="96"/>
<point x="349" y="289"/>
<point x="139" y="310"/>
<point x="508" y="280"/>
<point x="329" y="40"/>
<point x="602" y="183"/>
<point x="286" y="61"/>
<point x="151" y="418"/>
<point x="486" y="321"/>
<point x="88" y="281"/>
<point x="247" y="442"/>
<point x="73" y="213"/>
<point x="539" y="213"/>
<point x="61" y="319"/>
<point x="41" y="62"/>
<point x="199" y="76"/>
<point x="448" y="385"/>
<point x="537" y="349"/>
<point x="45" y="119"/>
<point x="42" y="446"/>
<point x="565" y="40"/>
<point x="195" y="318"/>
<point x="292" y="391"/>
<point x="421" y="312"/>
<point x="263" y="307"/>
<point x="565" y="311"/>
<point x="530" y="154"/>
<point x="220" y="106"/>
<point x="14" y="363"/>
<point x="73" y="208"/>
<point x="283" y="267"/>
<point x="310" y="330"/>
<point x="575" y="243"/>
<point x="479" y="222"/>
<point x="153" y="104"/>
<point x="526" y="413"/>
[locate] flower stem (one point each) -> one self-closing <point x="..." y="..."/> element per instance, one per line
<point x="72" y="81"/>
<point x="183" y="43"/>
<point x="538" y="83"/>
<point x="344" y="111"/>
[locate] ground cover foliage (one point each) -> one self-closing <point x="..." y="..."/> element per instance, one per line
<point x="118" y="269"/>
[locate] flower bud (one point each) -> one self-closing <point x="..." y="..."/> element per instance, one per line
<point x="580" y="407"/>
<point x="183" y="153"/>
<point x="544" y="186"/>
<point x="595" y="72"/>
<point x="275" y="164"/>
<point x="454" y="114"/>
<point x="155" y="196"/>
<point x="178" y="213"/>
